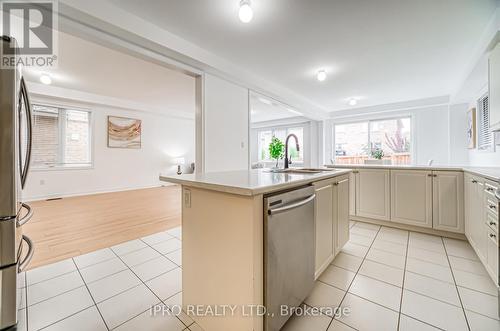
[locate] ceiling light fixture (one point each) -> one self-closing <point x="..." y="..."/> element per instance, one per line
<point x="321" y="75"/>
<point x="353" y="102"/>
<point x="45" y="79"/>
<point x="246" y="13"/>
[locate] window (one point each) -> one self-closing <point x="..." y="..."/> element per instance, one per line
<point x="355" y="142"/>
<point x="484" y="134"/>
<point x="61" y="137"/>
<point x="265" y="136"/>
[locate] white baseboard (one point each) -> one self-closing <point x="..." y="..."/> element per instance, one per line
<point x="77" y="194"/>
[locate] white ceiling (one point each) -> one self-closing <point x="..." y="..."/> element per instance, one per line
<point x="380" y="52"/>
<point x="88" y="67"/>
<point x="263" y="109"/>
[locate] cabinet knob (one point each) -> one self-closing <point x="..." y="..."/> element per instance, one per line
<point x="474" y="181"/>
<point x="492" y="235"/>
<point x="493" y="223"/>
<point x="489" y="189"/>
<point x="493" y="207"/>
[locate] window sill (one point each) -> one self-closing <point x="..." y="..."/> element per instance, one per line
<point x="62" y="168"/>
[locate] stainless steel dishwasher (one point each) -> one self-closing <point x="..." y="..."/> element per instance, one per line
<point x="289" y="249"/>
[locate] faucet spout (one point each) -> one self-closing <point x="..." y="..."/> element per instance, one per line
<point x="288" y="161"/>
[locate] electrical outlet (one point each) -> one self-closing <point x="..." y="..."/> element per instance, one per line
<point x="187" y="198"/>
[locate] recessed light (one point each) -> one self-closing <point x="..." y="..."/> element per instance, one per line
<point x="321" y="75"/>
<point x="246" y="13"/>
<point x="45" y="79"/>
<point x="293" y="111"/>
<point x="353" y="102"/>
<point x="265" y="101"/>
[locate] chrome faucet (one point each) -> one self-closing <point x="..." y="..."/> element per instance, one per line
<point x="287" y="161"/>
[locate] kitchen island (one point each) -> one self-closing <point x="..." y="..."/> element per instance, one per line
<point x="223" y="241"/>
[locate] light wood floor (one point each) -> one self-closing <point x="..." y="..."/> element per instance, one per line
<point x="64" y="228"/>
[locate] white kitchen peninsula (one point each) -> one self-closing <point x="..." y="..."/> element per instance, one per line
<point x="223" y="237"/>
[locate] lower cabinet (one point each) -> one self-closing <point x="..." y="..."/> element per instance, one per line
<point x="331" y="219"/>
<point x="372" y="198"/>
<point x="411" y="197"/>
<point x="448" y="201"/>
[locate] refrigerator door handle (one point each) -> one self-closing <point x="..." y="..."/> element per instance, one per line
<point x="31" y="249"/>
<point x="23" y="96"/>
<point x="27" y="217"/>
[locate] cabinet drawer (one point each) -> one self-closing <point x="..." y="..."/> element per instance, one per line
<point x="492" y="221"/>
<point x="491" y="205"/>
<point x="490" y="188"/>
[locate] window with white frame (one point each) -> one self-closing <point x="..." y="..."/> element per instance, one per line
<point x="265" y="136"/>
<point x="484" y="134"/>
<point x="355" y="142"/>
<point x="61" y="137"/>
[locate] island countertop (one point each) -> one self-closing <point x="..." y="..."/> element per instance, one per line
<point x="491" y="173"/>
<point x="250" y="182"/>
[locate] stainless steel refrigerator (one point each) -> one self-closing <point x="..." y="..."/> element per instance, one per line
<point x="15" y="153"/>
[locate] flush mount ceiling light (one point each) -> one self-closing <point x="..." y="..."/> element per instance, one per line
<point x="45" y="79"/>
<point x="321" y="75"/>
<point x="246" y="13"/>
<point x="352" y="102"/>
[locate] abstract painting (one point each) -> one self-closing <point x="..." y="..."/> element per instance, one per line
<point x="124" y="132"/>
<point x="471" y="128"/>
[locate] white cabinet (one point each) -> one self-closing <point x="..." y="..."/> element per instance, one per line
<point x="323" y="217"/>
<point x="331" y="209"/>
<point x="492" y="252"/>
<point x="411" y="197"/>
<point x="494" y="88"/>
<point x="372" y="198"/>
<point x="448" y="201"/>
<point x="341" y="212"/>
<point x="474" y="213"/>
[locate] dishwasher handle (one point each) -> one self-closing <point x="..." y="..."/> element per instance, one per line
<point x="291" y="205"/>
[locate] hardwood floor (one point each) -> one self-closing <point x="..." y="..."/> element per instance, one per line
<point x="73" y="226"/>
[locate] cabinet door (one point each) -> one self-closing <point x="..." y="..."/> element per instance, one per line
<point x="352" y="193"/>
<point x="469" y="195"/>
<point x="494" y="88"/>
<point x="323" y="218"/>
<point x="492" y="253"/>
<point x="373" y="194"/>
<point x="341" y="212"/>
<point x="448" y="201"/>
<point x="411" y="197"/>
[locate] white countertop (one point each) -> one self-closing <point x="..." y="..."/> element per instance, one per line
<point x="249" y="182"/>
<point x="491" y="173"/>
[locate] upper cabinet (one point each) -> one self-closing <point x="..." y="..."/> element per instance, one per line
<point x="494" y="88"/>
<point x="411" y="197"/>
<point x="448" y="201"/>
<point x="372" y="198"/>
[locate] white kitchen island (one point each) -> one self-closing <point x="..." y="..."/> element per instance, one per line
<point x="223" y="241"/>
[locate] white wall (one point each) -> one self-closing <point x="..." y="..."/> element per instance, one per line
<point x="163" y="138"/>
<point x="225" y="125"/>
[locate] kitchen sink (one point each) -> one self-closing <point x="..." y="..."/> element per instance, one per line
<point x="301" y="170"/>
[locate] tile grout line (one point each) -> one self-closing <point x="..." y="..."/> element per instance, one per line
<point x="456" y="286"/>
<point x="403" y="283"/>
<point x="160" y="300"/>
<point x="91" y="296"/>
<point x="356" y="273"/>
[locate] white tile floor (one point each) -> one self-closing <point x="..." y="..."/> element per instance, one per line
<point x="399" y="280"/>
<point x="110" y="289"/>
<point x="390" y="279"/>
